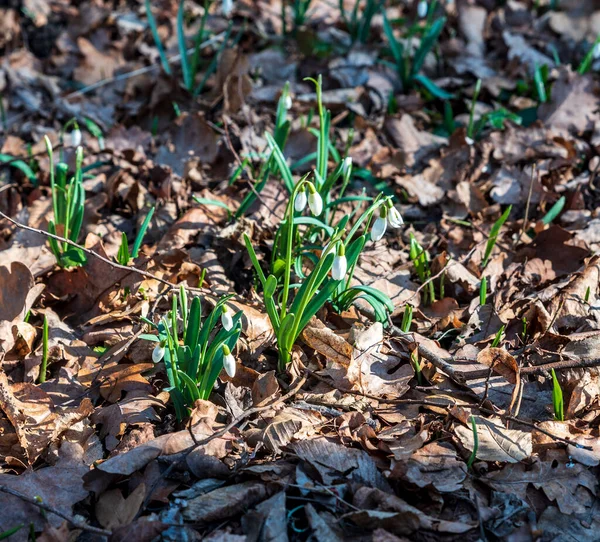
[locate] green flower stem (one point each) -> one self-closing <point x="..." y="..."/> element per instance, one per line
<point x="288" y="247"/>
<point x="311" y="288"/>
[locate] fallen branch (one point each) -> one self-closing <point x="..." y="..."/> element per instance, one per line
<point x="89" y="252"/>
<point x="41" y="504"/>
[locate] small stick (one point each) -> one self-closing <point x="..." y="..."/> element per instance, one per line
<point x="87" y="251"/>
<point x="41" y="504"/>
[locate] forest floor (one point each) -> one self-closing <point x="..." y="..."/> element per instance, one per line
<point x="368" y="379"/>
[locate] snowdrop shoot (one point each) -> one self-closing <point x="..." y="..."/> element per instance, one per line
<point x="228" y="361"/>
<point x="300" y="202"/>
<point x="340" y="265"/>
<point x="226" y="319"/>
<point x="315" y="203"/>
<point x="422" y="9"/>
<point x="158" y="353"/>
<point x="380" y="225"/>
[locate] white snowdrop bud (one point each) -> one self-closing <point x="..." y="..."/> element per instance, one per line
<point x="422" y="9"/>
<point x="315" y="201"/>
<point x="158" y="353"/>
<point x="228" y="361"/>
<point x="300" y="203"/>
<point x="76" y="137"/>
<point x="226" y="319"/>
<point x="340" y="264"/>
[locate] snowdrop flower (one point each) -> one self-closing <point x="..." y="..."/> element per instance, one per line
<point x="394" y="217"/>
<point x="315" y="202"/>
<point x="422" y="9"/>
<point x="158" y="353"/>
<point x="300" y="203"/>
<point x="347" y="166"/>
<point x="226" y="319"/>
<point x="469" y="140"/>
<point x="76" y="137"/>
<point x="340" y="265"/>
<point x="596" y="53"/>
<point x="380" y="225"/>
<point x="288" y="102"/>
<point x="228" y="361"/>
<point x="226" y="7"/>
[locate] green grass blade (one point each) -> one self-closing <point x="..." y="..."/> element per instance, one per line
<point x="185" y="63"/>
<point x="161" y="50"/>
<point x="140" y="236"/>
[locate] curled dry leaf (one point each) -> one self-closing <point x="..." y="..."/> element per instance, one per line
<point x="113" y="510"/>
<point x="375" y="499"/>
<point x="572" y="486"/>
<point x="496" y="443"/>
<point x="433" y="465"/>
<point x="36" y="421"/>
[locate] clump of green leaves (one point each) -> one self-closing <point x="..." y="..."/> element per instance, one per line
<point x="358" y="21"/>
<point x="420" y="259"/>
<point x="557" y="398"/>
<point x="407" y="65"/>
<point x="124" y="255"/>
<point x="495" y="118"/>
<point x="299" y="238"/>
<point x="68" y="202"/>
<point x="191" y="63"/>
<point x="194" y="351"/>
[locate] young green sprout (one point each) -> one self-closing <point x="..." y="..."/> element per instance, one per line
<point x="588" y="291"/>
<point x="44" y="364"/>
<point x="498" y="337"/>
<point x="494" y="232"/>
<point x="557" y="398"/>
<point x="414" y="359"/>
<point x="473" y="455"/>
<point x="407" y="318"/>
<point x="483" y="291"/>
<point x="124" y="256"/>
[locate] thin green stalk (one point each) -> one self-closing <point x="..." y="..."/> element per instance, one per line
<point x="44" y="364"/>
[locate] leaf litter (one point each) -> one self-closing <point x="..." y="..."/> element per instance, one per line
<point x="418" y="403"/>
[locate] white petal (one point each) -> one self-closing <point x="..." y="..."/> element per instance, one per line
<point x="315" y="203"/>
<point x="288" y="102"/>
<point x="226" y="7"/>
<point x="378" y="229"/>
<point x="596" y="52"/>
<point x="226" y="320"/>
<point x="76" y="137"/>
<point x="300" y="203"/>
<point x="422" y="9"/>
<point x="346" y="165"/>
<point x="395" y="218"/>
<point x="229" y="364"/>
<point x="338" y="270"/>
<point x="469" y="140"/>
<point x="158" y="353"/>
